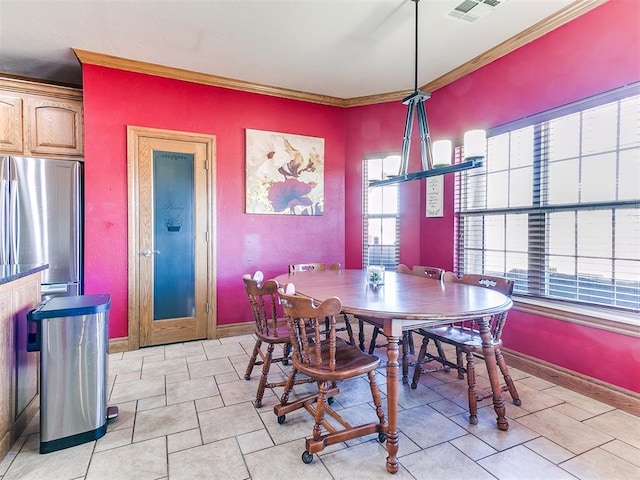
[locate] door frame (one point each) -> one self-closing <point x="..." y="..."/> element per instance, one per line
<point x="135" y="135"/>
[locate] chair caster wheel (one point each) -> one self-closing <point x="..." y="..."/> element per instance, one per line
<point x="247" y="377"/>
<point x="307" y="457"/>
<point x="281" y="419"/>
<point x="257" y="404"/>
<point x="446" y="369"/>
<point x="382" y="437"/>
<point x="473" y="420"/>
<point x="517" y="402"/>
<point x="330" y="401"/>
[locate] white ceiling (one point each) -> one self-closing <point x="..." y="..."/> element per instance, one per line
<point x="339" y="48"/>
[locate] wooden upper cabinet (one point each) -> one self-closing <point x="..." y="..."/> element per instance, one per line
<point x="55" y="127"/>
<point x="40" y="120"/>
<point x="11" y="139"/>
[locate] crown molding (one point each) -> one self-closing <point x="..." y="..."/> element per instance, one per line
<point x="563" y="16"/>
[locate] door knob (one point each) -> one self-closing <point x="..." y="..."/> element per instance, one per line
<point x="148" y="253"/>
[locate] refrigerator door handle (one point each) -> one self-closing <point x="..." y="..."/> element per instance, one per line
<point x="4" y="192"/>
<point x="13" y="217"/>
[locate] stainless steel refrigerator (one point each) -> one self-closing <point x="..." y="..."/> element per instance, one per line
<point x="41" y="219"/>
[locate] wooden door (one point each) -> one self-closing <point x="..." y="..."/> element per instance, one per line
<point x="171" y="280"/>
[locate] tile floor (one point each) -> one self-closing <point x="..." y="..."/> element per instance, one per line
<point x="187" y="413"/>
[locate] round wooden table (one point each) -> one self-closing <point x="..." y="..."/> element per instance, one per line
<point x="405" y="302"/>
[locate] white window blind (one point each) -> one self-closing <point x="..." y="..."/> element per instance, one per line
<point x="557" y="205"/>
<point x="381" y="212"/>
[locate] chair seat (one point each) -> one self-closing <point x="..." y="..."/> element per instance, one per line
<point x="350" y="361"/>
<point x="279" y="335"/>
<point x="466" y="339"/>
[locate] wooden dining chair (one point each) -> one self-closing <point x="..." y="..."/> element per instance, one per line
<point x="327" y="361"/>
<point x="407" y="337"/>
<point x="321" y="267"/>
<point x="465" y="337"/>
<point x="269" y="329"/>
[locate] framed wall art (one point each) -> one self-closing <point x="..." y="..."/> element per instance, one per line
<point x="284" y="173"/>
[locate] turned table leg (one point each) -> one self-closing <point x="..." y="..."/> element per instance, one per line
<point x="490" y="359"/>
<point x="392" y="403"/>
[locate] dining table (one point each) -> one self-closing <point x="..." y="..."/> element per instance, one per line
<point x="404" y="302"/>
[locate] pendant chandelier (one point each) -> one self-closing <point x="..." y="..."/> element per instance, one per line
<point x="436" y="158"/>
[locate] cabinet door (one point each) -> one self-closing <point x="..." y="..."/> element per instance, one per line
<point x="11" y="139"/>
<point x="6" y="368"/>
<point x="25" y="297"/>
<point x="55" y="127"/>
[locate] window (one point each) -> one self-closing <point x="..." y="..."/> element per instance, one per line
<point x="381" y="213"/>
<point x="557" y="205"/>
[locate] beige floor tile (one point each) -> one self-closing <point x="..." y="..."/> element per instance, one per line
<point x="210" y="428"/>
<point x="535" y="382"/>
<point x="151" y="403"/>
<point x="284" y="461"/>
<point x="114" y="439"/>
<point x="177" y="377"/>
<point x="521" y="463"/>
<point x="128" y="365"/>
<point x="298" y="425"/>
<point x="224" y="350"/>
<point x="191" y="390"/>
<point x="622" y="425"/>
<point x="60" y="465"/>
<point x="164" y="421"/>
<point x="209" y="403"/>
<point x="221" y="460"/>
<point x="184" y="440"/>
<point x="11" y="455"/>
<point x="127" y="377"/>
<point x="549" y="450"/>
<point x="575" y="436"/>
<point x="164" y="367"/>
<point x="144" y="352"/>
<point x="426" y="427"/>
<point x="226" y="377"/>
<point x="447" y="407"/>
<point x="254" y="441"/>
<point x="624" y="451"/>
<point x="487" y="429"/>
<point x="145" y="388"/>
<point x="140" y="461"/>
<point x="532" y="400"/>
<point x="210" y="368"/>
<point x="472" y="447"/>
<point x="189" y="349"/>
<point x="443" y="462"/>
<point x="228" y="422"/>
<point x="126" y="416"/>
<point x="361" y="462"/>
<point x="238" y="392"/>
<point x="572" y="411"/>
<point x="598" y="463"/>
<point x="581" y="401"/>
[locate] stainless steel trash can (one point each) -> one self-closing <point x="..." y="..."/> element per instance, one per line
<point x="71" y="334"/>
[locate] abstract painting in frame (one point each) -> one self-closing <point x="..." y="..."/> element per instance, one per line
<point x="284" y="173"/>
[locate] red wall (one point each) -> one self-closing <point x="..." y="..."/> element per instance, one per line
<point x="594" y="53"/>
<point x="114" y="99"/>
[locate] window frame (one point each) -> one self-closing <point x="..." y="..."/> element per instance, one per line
<point x="366" y="216"/>
<point x="610" y="318"/>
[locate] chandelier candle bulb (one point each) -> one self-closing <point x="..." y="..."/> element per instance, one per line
<point x="475" y="144"/>
<point x="442" y="153"/>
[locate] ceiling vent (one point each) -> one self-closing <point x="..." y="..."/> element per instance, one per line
<point x="472" y="10"/>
